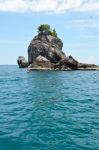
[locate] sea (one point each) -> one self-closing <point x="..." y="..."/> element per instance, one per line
<point x="49" y="110"/>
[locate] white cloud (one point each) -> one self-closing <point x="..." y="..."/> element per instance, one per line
<point x="28" y="5"/>
<point x="13" y="5"/>
<point x="90" y="6"/>
<point x="53" y="6"/>
<point x="86" y="23"/>
<point x="68" y="5"/>
<point x="43" y="5"/>
<point x="39" y="5"/>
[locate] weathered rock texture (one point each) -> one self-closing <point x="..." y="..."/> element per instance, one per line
<point x="66" y="64"/>
<point x="41" y="62"/>
<point x="45" y="52"/>
<point x="46" y="46"/>
<point x="22" y="62"/>
<point x="49" y="47"/>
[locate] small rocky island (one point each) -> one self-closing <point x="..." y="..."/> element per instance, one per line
<point x="45" y="53"/>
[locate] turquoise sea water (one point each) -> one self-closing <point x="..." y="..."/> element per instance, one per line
<point x="48" y="110"/>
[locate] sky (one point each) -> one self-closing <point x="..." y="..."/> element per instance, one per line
<point x="76" y="22"/>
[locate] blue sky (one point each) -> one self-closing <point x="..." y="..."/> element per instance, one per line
<point x="76" y="22"/>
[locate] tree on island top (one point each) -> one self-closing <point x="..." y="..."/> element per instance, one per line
<point x="45" y="28"/>
<point x="54" y="33"/>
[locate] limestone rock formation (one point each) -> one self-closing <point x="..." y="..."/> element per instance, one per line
<point x="45" y="52"/>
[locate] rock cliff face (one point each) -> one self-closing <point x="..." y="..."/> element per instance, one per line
<point x="45" y="52"/>
<point x="47" y="46"/>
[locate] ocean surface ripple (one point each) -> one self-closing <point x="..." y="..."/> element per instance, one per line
<point x="49" y="110"/>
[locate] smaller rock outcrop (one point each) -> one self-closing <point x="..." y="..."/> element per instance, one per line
<point x="22" y="62"/>
<point x="69" y="63"/>
<point x="86" y="66"/>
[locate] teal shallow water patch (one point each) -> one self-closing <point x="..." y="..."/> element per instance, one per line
<point x="48" y="110"/>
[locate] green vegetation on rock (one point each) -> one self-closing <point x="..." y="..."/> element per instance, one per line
<point x="45" y="28"/>
<point x="54" y="33"/>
